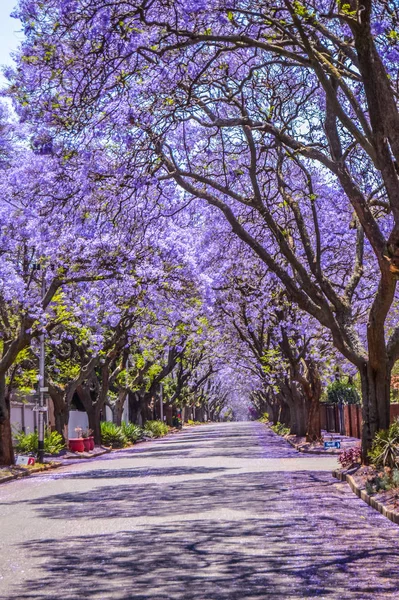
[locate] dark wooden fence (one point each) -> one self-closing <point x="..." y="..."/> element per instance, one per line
<point x="346" y="419"/>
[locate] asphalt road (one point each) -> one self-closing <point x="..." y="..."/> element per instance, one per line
<point x="219" y="512"/>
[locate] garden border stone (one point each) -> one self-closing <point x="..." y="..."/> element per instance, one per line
<point x="363" y="495"/>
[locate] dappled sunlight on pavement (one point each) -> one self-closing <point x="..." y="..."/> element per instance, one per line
<point x="219" y="512"/>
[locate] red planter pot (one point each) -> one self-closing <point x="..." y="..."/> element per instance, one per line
<point x="87" y="444"/>
<point x="91" y="438"/>
<point x="76" y="445"/>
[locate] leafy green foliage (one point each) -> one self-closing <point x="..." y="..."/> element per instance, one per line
<point x="112" y="435"/>
<point x="132" y="432"/>
<point x="280" y="429"/>
<point x="156" y="428"/>
<point x="395" y="478"/>
<point x="53" y="442"/>
<point x="26" y="443"/>
<point x="176" y="422"/>
<point x="264" y="418"/>
<point x="341" y="392"/>
<point x="385" y="448"/>
<point x="383" y="481"/>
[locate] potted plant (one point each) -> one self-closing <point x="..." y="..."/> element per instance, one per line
<point x="76" y="444"/>
<point x="88" y="439"/>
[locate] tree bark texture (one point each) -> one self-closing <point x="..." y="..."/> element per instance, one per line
<point x="6" y="448"/>
<point x="376" y="402"/>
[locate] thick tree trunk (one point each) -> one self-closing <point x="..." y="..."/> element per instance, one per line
<point x="376" y="402"/>
<point x="117" y="412"/>
<point x="313" y="430"/>
<point x="287" y="398"/>
<point x="146" y="409"/>
<point x="117" y="408"/>
<point x="285" y="414"/>
<point x="93" y="414"/>
<point x="93" y="409"/>
<point x="310" y="383"/>
<point x="289" y="401"/>
<point x="301" y="412"/>
<point x="61" y="414"/>
<point x="274" y="411"/>
<point x="61" y="421"/>
<point x="6" y="449"/>
<point x="134" y="408"/>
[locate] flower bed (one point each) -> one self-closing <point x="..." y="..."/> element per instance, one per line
<point x="366" y="482"/>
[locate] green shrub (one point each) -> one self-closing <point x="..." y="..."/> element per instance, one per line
<point x="53" y="442"/>
<point x="157" y="428"/>
<point x="383" y="481"/>
<point x="112" y="435"/>
<point x="280" y="429"/>
<point x="385" y="448"/>
<point x="27" y="443"/>
<point x="395" y="478"/>
<point x="176" y="422"/>
<point x="132" y="432"/>
<point x="339" y="392"/>
<point x="264" y="418"/>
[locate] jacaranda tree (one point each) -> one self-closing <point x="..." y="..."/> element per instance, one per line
<point x="281" y="115"/>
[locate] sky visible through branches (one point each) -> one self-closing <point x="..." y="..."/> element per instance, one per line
<point x="10" y="35"/>
<point x="239" y="156"/>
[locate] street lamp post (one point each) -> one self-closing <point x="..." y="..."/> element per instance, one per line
<point x="42" y="408"/>
<point x="40" y="454"/>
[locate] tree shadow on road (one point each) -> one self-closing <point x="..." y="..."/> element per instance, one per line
<point x="231" y="443"/>
<point x="273" y="535"/>
<point x="139" y="472"/>
<point x="222" y="560"/>
<point x="250" y="493"/>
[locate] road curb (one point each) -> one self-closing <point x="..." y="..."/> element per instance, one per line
<point x="39" y="469"/>
<point x="87" y="456"/>
<point x="306" y="451"/>
<point x="80" y="456"/>
<point x="363" y="495"/>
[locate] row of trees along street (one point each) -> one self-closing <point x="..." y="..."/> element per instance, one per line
<point x="210" y="187"/>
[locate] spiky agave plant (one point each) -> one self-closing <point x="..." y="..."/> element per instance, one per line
<point x="385" y="448"/>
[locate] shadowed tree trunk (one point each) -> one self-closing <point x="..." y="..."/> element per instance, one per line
<point x="301" y="410"/>
<point x="6" y="448"/>
<point x="61" y="402"/>
<point x="93" y="415"/>
<point x="134" y="408"/>
<point x="118" y="406"/>
<point x="93" y="394"/>
<point x="284" y="415"/>
<point x="311" y="385"/>
<point x="375" y="385"/>
<point x="287" y="399"/>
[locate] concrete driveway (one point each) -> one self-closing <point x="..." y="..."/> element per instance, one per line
<point x="220" y="512"/>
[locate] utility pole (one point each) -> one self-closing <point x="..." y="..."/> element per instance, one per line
<point x="42" y="390"/>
